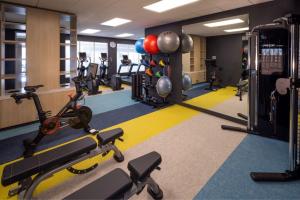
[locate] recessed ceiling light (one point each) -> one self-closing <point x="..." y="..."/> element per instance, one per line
<point x="165" y="5"/>
<point x="116" y="22"/>
<point x="90" y="31"/>
<point x="224" y="23"/>
<point x="237" y="30"/>
<point x="125" y="35"/>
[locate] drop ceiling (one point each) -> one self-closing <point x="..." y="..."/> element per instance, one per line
<point x="201" y="30"/>
<point x="92" y="12"/>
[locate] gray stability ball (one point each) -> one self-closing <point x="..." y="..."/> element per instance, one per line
<point x="187" y="43"/>
<point x="164" y="86"/>
<point x="186" y="82"/>
<point x="168" y="42"/>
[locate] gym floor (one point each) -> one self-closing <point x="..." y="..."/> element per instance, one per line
<point x="200" y="160"/>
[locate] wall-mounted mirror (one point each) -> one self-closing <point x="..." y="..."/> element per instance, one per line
<point x="218" y="62"/>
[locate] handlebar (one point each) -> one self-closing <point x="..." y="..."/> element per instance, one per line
<point x="30" y="92"/>
<point x="19" y="96"/>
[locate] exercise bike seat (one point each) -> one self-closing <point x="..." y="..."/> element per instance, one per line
<point x="32" y="88"/>
<point x="143" y="166"/>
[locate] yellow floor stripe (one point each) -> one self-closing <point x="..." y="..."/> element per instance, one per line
<point x="137" y="131"/>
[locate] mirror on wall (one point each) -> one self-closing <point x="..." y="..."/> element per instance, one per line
<point x="218" y="63"/>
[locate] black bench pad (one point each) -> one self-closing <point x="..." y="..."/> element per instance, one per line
<point x="142" y="167"/>
<point x="110" y="186"/>
<point x="109" y="136"/>
<point x="45" y="161"/>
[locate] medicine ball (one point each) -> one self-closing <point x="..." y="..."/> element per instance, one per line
<point x="150" y="44"/>
<point x="139" y="46"/>
<point x="163" y="86"/>
<point x="186" y="82"/>
<point x="168" y="42"/>
<point x="187" y="43"/>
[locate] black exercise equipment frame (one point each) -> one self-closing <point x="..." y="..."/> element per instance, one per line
<point x="49" y="123"/>
<point x="88" y="81"/>
<point x="292" y="24"/>
<point x="114" y="82"/>
<point x="27" y="185"/>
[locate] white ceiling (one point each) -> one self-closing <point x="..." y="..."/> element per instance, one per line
<point x="92" y="12"/>
<point x="201" y="30"/>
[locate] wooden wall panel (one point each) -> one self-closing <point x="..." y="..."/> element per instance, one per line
<point x="194" y="62"/>
<point x="43" y="42"/>
<point x="186" y="62"/>
<point x="13" y="114"/>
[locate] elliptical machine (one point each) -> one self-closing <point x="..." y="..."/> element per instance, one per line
<point x="88" y="75"/>
<point x="114" y="82"/>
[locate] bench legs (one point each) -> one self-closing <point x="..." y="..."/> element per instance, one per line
<point x="118" y="156"/>
<point x="152" y="188"/>
<point x="28" y="185"/>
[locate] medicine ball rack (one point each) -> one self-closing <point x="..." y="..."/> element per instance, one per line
<point x="144" y="89"/>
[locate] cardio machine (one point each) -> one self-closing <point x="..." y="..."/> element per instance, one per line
<point x="125" y="63"/>
<point x="114" y="82"/>
<point x="103" y="78"/>
<point x="88" y="75"/>
<point x="72" y="114"/>
<point x="214" y="80"/>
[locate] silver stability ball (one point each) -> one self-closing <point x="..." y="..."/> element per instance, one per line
<point x="164" y="86"/>
<point x="168" y="42"/>
<point x="187" y="43"/>
<point x="186" y="82"/>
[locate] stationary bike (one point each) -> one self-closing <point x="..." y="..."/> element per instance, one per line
<point x="72" y="114"/>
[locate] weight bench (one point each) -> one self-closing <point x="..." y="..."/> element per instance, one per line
<point x="118" y="185"/>
<point x="64" y="157"/>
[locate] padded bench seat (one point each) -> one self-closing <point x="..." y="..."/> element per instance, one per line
<point x="106" y="137"/>
<point x="141" y="167"/>
<point x="116" y="183"/>
<point x="45" y="161"/>
<point x="110" y="186"/>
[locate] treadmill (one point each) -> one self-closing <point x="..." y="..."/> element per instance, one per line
<point x="126" y="76"/>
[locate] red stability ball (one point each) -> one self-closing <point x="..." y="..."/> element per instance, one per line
<point x="150" y="44"/>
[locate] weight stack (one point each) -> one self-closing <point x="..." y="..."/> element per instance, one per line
<point x="139" y="88"/>
<point x="134" y="86"/>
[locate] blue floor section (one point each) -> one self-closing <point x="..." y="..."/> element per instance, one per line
<point x="107" y="102"/>
<point x="197" y="90"/>
<point x="257" y="154"/>
<point x="98" y="103"/>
